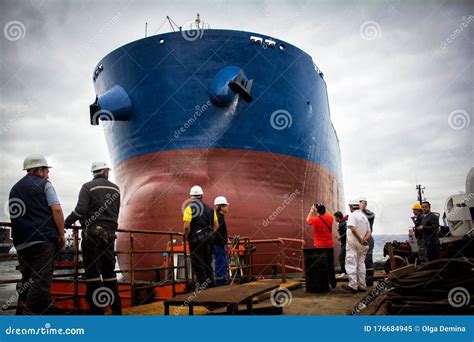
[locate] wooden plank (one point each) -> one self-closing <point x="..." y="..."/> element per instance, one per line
<point x="391" y="256"/>
<point x="290" y="285"/>
<point x="158" y="308"/>
<point x="402" y="271"/>
<point x="229" y="294"/>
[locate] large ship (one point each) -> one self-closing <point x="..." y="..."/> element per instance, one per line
<point x="241" y="114"/>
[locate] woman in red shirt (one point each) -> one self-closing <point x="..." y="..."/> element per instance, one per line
<point x="322" y="229"/>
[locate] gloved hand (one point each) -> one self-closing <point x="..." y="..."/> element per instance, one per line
<point x="69" y="221"/>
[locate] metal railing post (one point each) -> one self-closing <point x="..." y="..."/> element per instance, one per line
<point x="75" y="234"/>
<point x="132" y="271"/>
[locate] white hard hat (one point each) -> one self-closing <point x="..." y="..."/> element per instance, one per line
<point x="98" y="165"/>
<point x="363" y="199"/>
<point x="219" y="200"/>
<point x="354" y="202"/>
<point x="196" y="191"/>
<point x="34" y="161"/>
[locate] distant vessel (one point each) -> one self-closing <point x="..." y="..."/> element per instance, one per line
<point x="241" y="114"/>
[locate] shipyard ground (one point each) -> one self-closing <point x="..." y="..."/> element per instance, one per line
<point x="336" y="302"/>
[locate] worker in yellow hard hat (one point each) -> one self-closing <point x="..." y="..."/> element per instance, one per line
<point x="417" y="218"/>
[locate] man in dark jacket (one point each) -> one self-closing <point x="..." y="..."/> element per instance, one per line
<point x="220" y="242"/>
<point x="97" y="210"/>
<point x="429" y="228"/>
<point x="369" y="259"/>
<point x="38" y="233"/>
<point x="342" y="230"/>
<point x="200" y="222"/>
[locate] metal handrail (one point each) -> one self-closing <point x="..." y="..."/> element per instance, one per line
<point x="75" y="274"/>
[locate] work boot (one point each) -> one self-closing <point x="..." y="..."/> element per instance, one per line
<point x="348" y="288"/>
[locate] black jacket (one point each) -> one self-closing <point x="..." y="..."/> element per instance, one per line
<point x="98" y="204"/>
<point x="371" y="217"/>
<point x="220" y="235"/>
<point x="342" y="230"/>
<point x="430" y="223"/>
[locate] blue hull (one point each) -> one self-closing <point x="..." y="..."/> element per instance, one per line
<point x="169" y="98"/>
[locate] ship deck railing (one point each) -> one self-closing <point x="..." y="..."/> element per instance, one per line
<point x="76" y="275"/>
<point x="244" y="270"/>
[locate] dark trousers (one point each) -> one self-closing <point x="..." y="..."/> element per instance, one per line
<point x="342" y="257"/>
<point x="432" y="250"/>
<point x="36" y="267"/>
<point x="201" y="248"/>
<point x="331" y="270"/>
<point x="98" y="255"/>
<point x="369" y="263"/>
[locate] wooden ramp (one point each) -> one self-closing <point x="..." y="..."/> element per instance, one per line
<point x="229" y="296"/>
<point x="248" y="290"/>
<point x="158" y="309"/>
<point x="290" y="285"/>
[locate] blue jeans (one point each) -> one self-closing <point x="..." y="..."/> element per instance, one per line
<point x="220" y="265"/>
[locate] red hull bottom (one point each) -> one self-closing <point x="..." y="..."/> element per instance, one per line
<point x="269" y="194"/>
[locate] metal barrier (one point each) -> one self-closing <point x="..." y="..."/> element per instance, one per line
<point x="281" y="246"/>
<point x="133" y="270"/>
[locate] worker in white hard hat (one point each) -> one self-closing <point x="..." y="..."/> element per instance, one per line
<point x="38" y="235"/>
<point x="369" y="258"/>
<point x="200" y="222"/>
<point x="221" y="272"/>
<point x="97" y="210"/>
<point x="357" y="245"/>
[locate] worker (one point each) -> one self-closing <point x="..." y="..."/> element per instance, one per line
<point x="322" y="230"/>
<point x="369" y="259"/>
<point x="38" y="234"/>
<point x="429" y="227"/>
<point x="417" y="218"/>
<point x="358" y="234"/>
<point x="97" y="210"/>
<point x="220" y="242"/>
<point x="200" y="222"/>
<point x="341" y="229"/>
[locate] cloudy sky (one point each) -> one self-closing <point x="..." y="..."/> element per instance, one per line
<point x="399" y="76"/>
